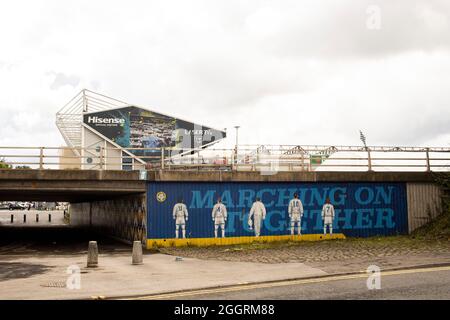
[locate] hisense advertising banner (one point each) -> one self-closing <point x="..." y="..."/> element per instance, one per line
<point x="361" y="209"/>
<point x="133" y="127"/>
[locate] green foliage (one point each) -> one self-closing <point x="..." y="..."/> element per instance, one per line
<point x="439" y="228"/>
<point x="4" y="165"/>
<point x="443" y="179"/>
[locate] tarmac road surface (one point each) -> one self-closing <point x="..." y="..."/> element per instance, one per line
<point x="51" y="240"/>
<point x="421" y="283"/>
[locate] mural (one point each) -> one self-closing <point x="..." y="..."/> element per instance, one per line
<point x="360" y="209"/>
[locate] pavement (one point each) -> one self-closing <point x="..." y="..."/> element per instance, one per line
<point x="31" y="278"/>
<point x="36" y="266"/>
<point x="57" y="218"/>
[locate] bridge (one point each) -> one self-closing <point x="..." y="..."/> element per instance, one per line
<point x="381" y="191"/>
<point x="68" y="185"/>
<point x="97" y="185"/>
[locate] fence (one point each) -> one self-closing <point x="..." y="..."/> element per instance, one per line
<point x="266" y="159"/>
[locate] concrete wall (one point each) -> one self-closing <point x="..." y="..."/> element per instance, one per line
<point x="424" y="203"/>
<point x="68" y="159"/>
<point x="111" y="157"/>
<point x="255" y="176"/>
<point x="124" y="218"/>
<point x="68" y="185"/>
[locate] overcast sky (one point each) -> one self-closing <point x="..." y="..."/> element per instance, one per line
<point x="288" y="72"/>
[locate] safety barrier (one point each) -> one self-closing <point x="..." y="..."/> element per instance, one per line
<point x="267" y="159"/>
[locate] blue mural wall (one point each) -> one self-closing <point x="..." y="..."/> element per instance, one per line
<point x="362" y="209"/>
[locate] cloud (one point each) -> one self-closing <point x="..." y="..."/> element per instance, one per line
<point x="62" y="80"/>
<point x="338" y="30"/>
<point x="288" y="72"/>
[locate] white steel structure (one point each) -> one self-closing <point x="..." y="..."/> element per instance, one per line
<point x="69" y="119"/>
<point x="83" y="142"/>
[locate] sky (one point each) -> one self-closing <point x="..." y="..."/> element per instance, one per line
<point x="287" y="72"/>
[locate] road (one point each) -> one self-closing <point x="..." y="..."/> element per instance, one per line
<point x="426" y="283"/>
<point x="59" y="240"/>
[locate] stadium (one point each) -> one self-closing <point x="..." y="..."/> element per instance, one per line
<point x="123" y="136"/>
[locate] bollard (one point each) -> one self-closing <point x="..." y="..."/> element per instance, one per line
<point x="37" y="217"/>
<point x="24" y="218"/>
<point x="49" y="217"/>
<point x="12" y="218"/>
<point x="137" y="253"/>
<point x="92" y="259"/>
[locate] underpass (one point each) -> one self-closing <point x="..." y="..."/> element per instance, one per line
<point x="83" y="189"/>
<point x="48" y="232"/>
<point x="62" y="240"/>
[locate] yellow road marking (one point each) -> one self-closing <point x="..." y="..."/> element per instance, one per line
<point x="285" y="283"/>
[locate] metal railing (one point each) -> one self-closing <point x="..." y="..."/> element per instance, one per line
<point x="267" y="159"/>
<point x="70" y="117"/>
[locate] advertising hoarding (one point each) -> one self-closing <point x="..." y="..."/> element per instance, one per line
<point x="133" y="127"/>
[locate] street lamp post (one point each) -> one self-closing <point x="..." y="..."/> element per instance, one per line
<point x="362" y="137"/>
<point x="236" y="147"/>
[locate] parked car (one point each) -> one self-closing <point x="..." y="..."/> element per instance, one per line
<point x="17" y="206"/>
<point x="4" y="205"/>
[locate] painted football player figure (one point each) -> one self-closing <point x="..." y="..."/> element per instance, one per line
<point x="180" y="215"/>
<point x="219" y="216"/>
<point x="327" y="216"/>
<point x="295" y="211"/>
<point x="258" y="212"/>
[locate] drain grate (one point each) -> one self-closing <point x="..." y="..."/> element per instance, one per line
<point x="54" y="284"/>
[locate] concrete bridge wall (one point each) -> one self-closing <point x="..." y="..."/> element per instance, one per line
<point x="114" y="201"/>
<point x="123" y="217"/>
<point x="424" y="203"/>
<point x="68" y="185"/>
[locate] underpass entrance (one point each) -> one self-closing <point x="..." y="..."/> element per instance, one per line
<point x="112" y="203"/>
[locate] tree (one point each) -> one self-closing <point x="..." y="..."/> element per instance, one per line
<point x="4" y="165"/>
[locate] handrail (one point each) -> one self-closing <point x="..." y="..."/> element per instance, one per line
<point x="267" y="159"/>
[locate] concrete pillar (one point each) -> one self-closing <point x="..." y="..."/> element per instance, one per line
<point x="92" y="258"/>
<point x="137" y="253"/>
